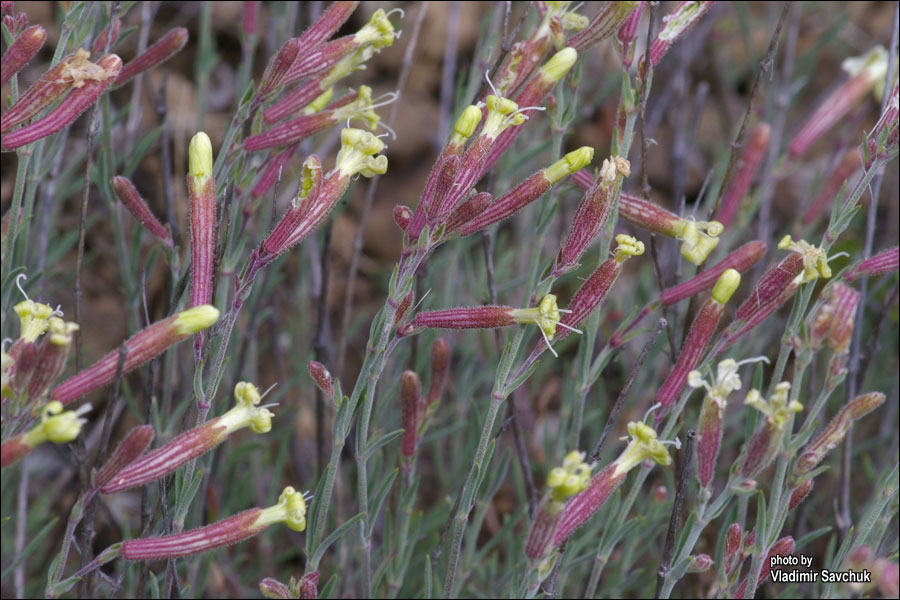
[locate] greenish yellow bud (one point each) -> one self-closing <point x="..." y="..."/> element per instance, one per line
<point x="319" y="103"/>
<point x="778" y="409"/>
<point x="200" y="158"/>
<point x="466" y="124"/>
<point x="570" y="163"/>
<point x="557" y="67"/>
<point x="572" y="478"/>
<point x="356" y="154"/>
<point x="726" y="285"/>
<point x="291" y="510"/>
<point x="699" y="238"/>
<point x="196" y="319"/>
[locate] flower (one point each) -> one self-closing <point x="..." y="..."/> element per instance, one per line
<point x="197" y="441"/>
<point x="141" y="347"/>
<point x="165" y="48"/>
<point x="57" y="425"/>
<point x="21" y="51"/>
<point x="290" y="509"/>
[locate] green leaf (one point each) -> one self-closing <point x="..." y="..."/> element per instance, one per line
<point x="32" y="545"/>
<point x="335" y="536"/>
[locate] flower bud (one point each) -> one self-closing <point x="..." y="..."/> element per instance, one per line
<point x="885" y="261"/>
<point x="272" y="588"/>
<point x="465" y="126"/>
<point x="440" y="366"/>
<point x="322" y="378"/>
<point x="277" y="68"/>
<point x="866" y="72"/>
<point x="412" y="414"/>
<point x="307" y="586"/>
<point x="107" y="37"/>
<point x="799" y="493"/>
<point x="131" y="199"/>
<point x="700" y="563"/>
<point x="592" y="213"/>
<point x="834" y="433"/>
<point x="611" y="17"/>
<point x="21" y="51"/>
<point x="563" y="482"/>
<point x="558" y="66"/>
<point x="129" y="449"/>
<point x="732" y="551"/>
<point x="749" y="164"/>
<point x="765" y="443"/>
<point x="168" y="46"/>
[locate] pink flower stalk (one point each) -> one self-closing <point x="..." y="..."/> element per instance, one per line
<point x="675" y="24"/>
<point x="87" y="91"/>
<point x="741" y="260"/>
<point x="110" y="33"/>
<point x="412" y="406"/>
<point x="196" y="442"/>
<point x="291" y="509"/>
<point x="56" y="425"/>
<point x="733" y="547"/>
<point x="533" y="188"/>
<point x="782" y="547"/>
<point x="754" y="151"/>
<point x="628" y="33"/>
<point x="642" y="446"/>
<point x="834" y="433"/>
<point x="866" y="72"/>
<point x="592" y="213"/>
<point x="135" y="442"/>
<point x="611" y="19"/>
<point x="131" y="199"/>
<point x="278" y="67"/>
<point x="168" y="46"/>
<point x="72" y="71"/>
<point x="832" y="323"/>
<point x="355" y="106"/>
<point x="294" y="101"/>
<point x="799" y="493"/>
<point x="765" y="444"/>
<point x="141" y="347"/>
<point x="274" y="166"/>
<point x="885" y="261"/>
<point x="21" y="51"/>
<point x="249" y="17"/>
<point x="850" y="164"/>
<point x="322" y="377"/>
<point x="694" y="346"/>
<point x="39" y="363"/>
<point x="699" y="238"/>
<point x="532" y="94"/>
<point x="440" y="366"/>
<point x="318" y="194"/>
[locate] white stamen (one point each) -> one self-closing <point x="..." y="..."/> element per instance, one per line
<point x="19" y="279"/>
<point x="833" y="256"/>
<point x="564" y="326"/>
<point x="4" y="342"/>
<point x="268" y="389"/>
<point x="747" y="361"/>
<point x="650" y="410"/>
<point x="487" y="76"/>
<point x="390" y="130"/>
<point x="399" y="10"/>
